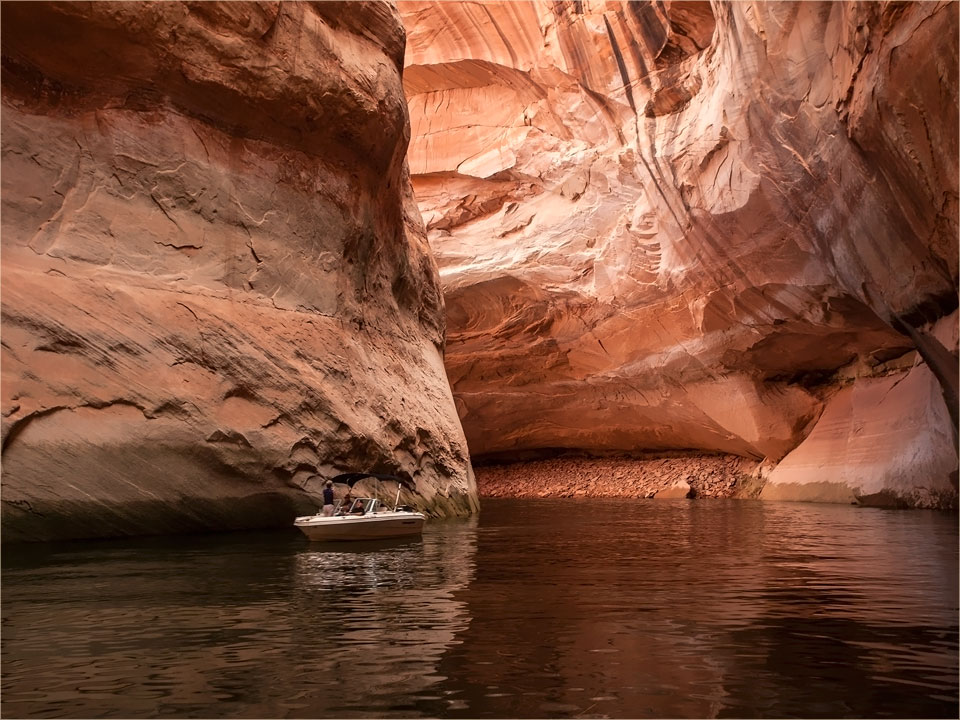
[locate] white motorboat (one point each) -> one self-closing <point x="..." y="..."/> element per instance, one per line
<point x="363" y="518"/>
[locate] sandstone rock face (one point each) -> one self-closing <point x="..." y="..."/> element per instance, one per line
<point x="215" y="280"/>
<point x="880" y="441"/>
<point x="683" y="224"/>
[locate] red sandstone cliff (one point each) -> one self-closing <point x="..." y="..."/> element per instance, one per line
<point x="215" y="281"/>
<point x="698" y="226"/>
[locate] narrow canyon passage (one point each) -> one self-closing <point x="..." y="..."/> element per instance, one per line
<point x="711" y="247"/>
<point x="628" y="329"/>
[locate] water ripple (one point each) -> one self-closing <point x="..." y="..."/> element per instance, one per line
<point x="542" y="608"/>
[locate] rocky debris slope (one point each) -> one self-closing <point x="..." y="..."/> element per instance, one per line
<point x="216" y="285"/>
<point x="700" y="476"/>
<point x="690" y="225"/>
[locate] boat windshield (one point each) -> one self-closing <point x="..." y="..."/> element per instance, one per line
<point x="360" y="506"/>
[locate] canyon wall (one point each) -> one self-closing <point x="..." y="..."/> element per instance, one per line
<point x="723" y="227"/>
<point x="216" y="284"/>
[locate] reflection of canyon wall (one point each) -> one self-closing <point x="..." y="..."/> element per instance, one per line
<point x="688" y="225"/>
<point x="215" y="281"/>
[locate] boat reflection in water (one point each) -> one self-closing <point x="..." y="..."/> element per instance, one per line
<point x="384" y="614"/>
<point x="546" y="608"/>
<point x="245" y="625"/>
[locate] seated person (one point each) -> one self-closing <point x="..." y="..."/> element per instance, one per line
<point x="358" y="509"/>
<point x="345" y="505"/>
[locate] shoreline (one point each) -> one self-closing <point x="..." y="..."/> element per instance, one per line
<point x="718" y="476"/>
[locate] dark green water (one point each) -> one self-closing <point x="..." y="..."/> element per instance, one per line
<point x="552" y="608"/>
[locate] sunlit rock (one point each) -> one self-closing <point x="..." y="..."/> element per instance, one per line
<point x="678" y="225"/>
<point x="679" y="490"/>
<point x="880" y="441"/>
<point x="215" y="281"/>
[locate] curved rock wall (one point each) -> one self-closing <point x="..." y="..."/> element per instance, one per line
<point x="686" y="225"/>
<point x="216" y="283"/>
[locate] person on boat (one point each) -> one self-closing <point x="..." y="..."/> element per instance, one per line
<point x="358" y="509"/>
<point x="327" y="509"/>
<point x="347" y="507"/>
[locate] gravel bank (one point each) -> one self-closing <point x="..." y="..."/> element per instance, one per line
<point x="708" y="476"/>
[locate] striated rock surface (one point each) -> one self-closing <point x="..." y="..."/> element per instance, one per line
<point x="880" y="441"/>
<point x="216" y="284"/>
<point x="689" y="225"/>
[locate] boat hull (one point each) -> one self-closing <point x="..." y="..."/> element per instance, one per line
<point x="319" y="529"/>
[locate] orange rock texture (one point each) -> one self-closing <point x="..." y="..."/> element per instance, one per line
<point x="216" y="283"/>
<point x="726" y="227"/>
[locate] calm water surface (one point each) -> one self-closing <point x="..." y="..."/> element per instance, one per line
<point x="551" y="608"/>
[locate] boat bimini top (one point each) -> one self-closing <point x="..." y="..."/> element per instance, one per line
<point x="352" y="478"/>
<point x="367" y="505"/>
